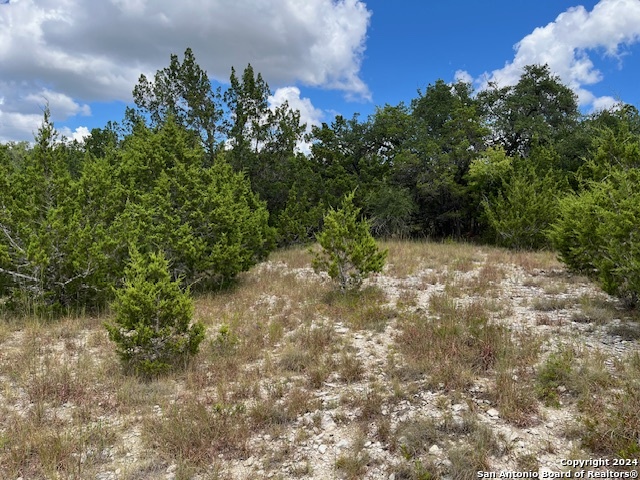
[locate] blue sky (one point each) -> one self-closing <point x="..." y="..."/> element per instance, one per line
<point x="324" y="57"/>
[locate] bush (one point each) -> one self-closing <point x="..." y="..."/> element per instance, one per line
<point x="64" y="233"/>
<point x="152" y="328"/>
<point x="391" y="209"/>
<point x="596" y="233"/>
<point x="523" y="211"/>
<point x="349" y="252"/>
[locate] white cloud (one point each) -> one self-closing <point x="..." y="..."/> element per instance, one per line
<point x="79" y="134"/>
<point x="567" y="43"/>
<point x="95" y="51"/>
<point x="18" y="126"/>
<point x="309" y="114"/>
<point x="61" y="105"/>
<point x="604" y="103"/>
<point x="463" y="76"/>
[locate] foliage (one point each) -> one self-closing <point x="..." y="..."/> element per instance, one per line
<point x="51" y="256"/>
<point x="538" y="110"/>
<point x="183" y="91"/>
<point x="206" y="219"/>
<point x="300" y="219"/>
<point x="349" y="252"/>
<point x="64" y="235"/>
<point x="390" y="209"/>
<point x="152" y="326"/>
<point x="522" y="212"/>
<point x="615" y="143"/>
<point x="596" y="233"/>
<point x="446" y="134"/>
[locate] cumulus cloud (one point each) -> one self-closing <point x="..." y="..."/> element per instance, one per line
<point x="568" y="43"/>
<point x="463" y="76"/>
<point x="309" y="114"/>
<point x="79" y="134"/>
<point x="16" y="126"/>
<point x="79" y="51"/>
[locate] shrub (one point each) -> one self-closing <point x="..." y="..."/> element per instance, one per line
<point x="523" y="211"/>
<point x="596" y="233"/>
<point x="390" y="209"/>
<point x="152" y="328"/>
<point x="349" y="251"/>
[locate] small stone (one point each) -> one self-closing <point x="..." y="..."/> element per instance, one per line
<point x="172" y="468"/>
<point x="249" y="461"/>
<point x="493" y="413"/>
<point x="322" y="449"/>
<point x="457" y="407"/>
<point x="435" y="450"/>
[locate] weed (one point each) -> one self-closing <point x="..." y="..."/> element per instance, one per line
<point x="454" y="347"/>
<point x="528" y="462"/>
<point x="354" y="463"/>
<point x="626" y="330"/>
<point x="350" y="368"/>
<point x="466" y="461"/>
<point x="416" y="436"/>
<point x="555" y="372"/>
<point x="196" y="432"/>
<point x="549" y="304"/>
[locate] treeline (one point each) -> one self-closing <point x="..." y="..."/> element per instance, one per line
<point x="215" y="180"/>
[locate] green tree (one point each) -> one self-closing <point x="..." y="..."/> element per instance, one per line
<point x="152" y="328"/>
<point x="263" y="143"/>
<point x="390" y="209"/>
<point x="349" y="251"/>
<point x="300" y="219"/>
<point x="183" y="91"/>
<point x="447" y="134"/>
<point x="596" y="233"/>
<point x="524" y="209"/>
<point x="538" y="110"/>
<point x="205" y="218"/>
<point x="615" y="143"/>
<point x="51" y="255"/>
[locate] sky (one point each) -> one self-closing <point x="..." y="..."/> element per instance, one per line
<point x="83" y="58"/>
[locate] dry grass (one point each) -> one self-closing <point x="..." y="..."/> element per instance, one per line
<point x="282" y="339"/>
<point x="452" y="346"/>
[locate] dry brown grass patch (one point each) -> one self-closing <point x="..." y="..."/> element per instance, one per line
<point x="454" y="345"/>
<point x="197" y="432"/>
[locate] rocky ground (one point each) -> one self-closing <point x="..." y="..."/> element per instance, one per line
<point x="362" y="416"/>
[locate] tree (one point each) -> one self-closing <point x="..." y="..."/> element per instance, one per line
<point x="183" y="91"/>
<point x="524" y="209"/>
<point x="152" y="327"/>
<point x="615" y="143"/>
<point x="50" y="254"/>
<point x="263" y="144"/>
<point x="349" y="252"/>
<point x="538" y="110"/>
<point x="596" y="233"/>
<point x="447" y="135"/>
<point x="206" y="219"/>
<point x="390" y="209"/>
